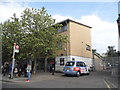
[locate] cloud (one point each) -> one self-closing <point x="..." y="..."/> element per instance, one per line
<point x="61" y="0"/>
<point x="103" y="33"/>
<point x="8" y="9"/>
<point x="60" y="18"/>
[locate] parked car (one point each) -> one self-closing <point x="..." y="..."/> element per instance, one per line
<point x="75" y="68"/>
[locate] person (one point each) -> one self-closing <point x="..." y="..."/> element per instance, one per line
<point x="16" y="72"/>
<point x="10" y="70"/>
<point x="50" y="68"/>
<point x="4" y="70"/>
<point x="28" y="72"/>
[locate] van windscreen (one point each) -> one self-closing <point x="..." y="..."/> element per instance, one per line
<point x="70" y="63"/>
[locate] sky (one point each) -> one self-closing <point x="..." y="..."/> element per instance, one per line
<point x="101" y="16"/>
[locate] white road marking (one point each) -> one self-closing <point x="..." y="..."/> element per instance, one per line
<point x="108" y="86"/>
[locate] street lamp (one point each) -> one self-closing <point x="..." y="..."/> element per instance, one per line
<point x="118" y="22"/>
<point x="15" y="49"/>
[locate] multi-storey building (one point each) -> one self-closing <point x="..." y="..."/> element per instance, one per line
<point x="78" y="46"/>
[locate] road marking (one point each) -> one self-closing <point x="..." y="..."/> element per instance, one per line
<point x="108" y="86"/>
<point x="112" y="84"/>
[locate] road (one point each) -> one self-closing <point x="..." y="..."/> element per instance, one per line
<point x="94" y="80"/>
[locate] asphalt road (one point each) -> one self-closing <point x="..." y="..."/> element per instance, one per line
<point x="94" y="80"/>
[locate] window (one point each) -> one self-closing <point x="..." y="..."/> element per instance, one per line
<point x="88" y="47"/>
<point x="61" y="61"/>
<point x="82" y="64"/>
<point x="73" y="59"/>
<point x="64" y="28"/>
<point x="78" y="64"/>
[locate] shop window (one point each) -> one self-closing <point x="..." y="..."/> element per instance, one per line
<point x="61" y="61"/>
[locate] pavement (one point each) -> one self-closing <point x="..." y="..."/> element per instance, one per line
<point x="112" y="81"/>
<point x="34" y="77"/>
<point x="41" y="76"/>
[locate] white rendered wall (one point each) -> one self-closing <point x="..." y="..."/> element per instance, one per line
<point x="88" y="61"/>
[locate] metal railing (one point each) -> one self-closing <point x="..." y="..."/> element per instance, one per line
<point x="113" y="64"/>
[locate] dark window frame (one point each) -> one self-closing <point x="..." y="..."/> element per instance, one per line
<point x="88" y="47"/>
<point x="62" y="29"/>
<point x="62" y="61"/>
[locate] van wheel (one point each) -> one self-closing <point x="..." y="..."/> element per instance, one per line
<point x="78" y="74"/>
<point x="88" y="73"/>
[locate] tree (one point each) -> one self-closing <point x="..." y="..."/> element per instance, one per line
<point x="11" y="33"/>
<point x="40" y="33"/>
<point x="111" y="52"/>
<point x="35" y="32"/>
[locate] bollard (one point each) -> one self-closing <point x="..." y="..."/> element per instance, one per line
<point x="52" y="70"/>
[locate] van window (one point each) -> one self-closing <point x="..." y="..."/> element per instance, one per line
<point x="82" y="64"/>
<point x="78" y="64"/>
<point x="61" y="61"/>
<point x="70" y="63"/>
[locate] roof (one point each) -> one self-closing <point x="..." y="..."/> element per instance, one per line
<point x="68" y="20"/>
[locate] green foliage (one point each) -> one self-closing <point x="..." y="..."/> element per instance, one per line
<point x="35" y="32"/>
<point x="111" y="52"/>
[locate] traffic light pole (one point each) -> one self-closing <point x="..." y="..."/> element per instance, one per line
<point x="13" y="61"/>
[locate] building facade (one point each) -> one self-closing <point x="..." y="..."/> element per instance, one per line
<point x="78" y="47"/>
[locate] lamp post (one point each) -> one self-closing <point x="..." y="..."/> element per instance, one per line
<point x="15" y="49"/>
<point x="118" y="22"/>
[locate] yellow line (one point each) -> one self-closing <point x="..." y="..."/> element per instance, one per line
<point x="107" y="85"/>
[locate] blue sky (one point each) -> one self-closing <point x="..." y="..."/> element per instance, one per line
<point x="101" y="16"/>
<point x="105" y="10"/>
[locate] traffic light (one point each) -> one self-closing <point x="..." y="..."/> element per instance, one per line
<point x="16" y="48"/>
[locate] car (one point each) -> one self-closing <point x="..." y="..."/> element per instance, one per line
<point x="76" y="68"/>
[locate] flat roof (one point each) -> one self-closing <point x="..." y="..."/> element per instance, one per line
<point x="68" y="20"/>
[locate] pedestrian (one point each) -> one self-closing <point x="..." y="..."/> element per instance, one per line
<point x="10" y="70"/>
<point x="50" y="68"/>
<point x="4" y="70"/>
<point x="28" y="72"/>
<point x="19" y="72"/>
<point x="16" y="72"/>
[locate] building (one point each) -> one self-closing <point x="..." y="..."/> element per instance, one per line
<point x="78" y="46"/>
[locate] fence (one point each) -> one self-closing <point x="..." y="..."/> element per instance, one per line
<point x="113" y="63"/>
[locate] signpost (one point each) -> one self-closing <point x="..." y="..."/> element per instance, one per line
<point x="15" y="49"/>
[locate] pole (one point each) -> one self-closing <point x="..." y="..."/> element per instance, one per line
<point x="13" y="61"/>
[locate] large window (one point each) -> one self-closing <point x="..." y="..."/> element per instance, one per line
<point x="64" y="28"/>
<point x="88" y="47"/>
<point x="61" y="61"/>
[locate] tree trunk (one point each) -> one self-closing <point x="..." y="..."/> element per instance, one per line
<point x="46" y="64"/>
<point x="34" y="68"/>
